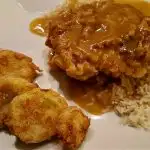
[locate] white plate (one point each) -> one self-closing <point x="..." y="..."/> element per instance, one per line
<point x="105" y="131"/>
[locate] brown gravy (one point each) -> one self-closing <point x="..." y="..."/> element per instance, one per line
<point x="142" y="5"/>
<point x="39" y="26"/>
<point x="91" y="95"/>
<point x="94" y="98"/>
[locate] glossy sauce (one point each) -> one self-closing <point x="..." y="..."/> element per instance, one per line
<point x="39" y="26"/>
<point x="90" y="96"/>
<point x="94" y="98"/>
<point x="142" y="5"/>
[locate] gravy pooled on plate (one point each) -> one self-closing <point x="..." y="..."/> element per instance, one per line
<point x="92" y="38"/>
<point x="39" y="26"/>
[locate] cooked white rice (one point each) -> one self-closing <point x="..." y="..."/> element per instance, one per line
<point x="133" y="110"/>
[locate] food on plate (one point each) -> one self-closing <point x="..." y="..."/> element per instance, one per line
<point x="29" y="112"/>
<point x="133" y="109"/>
<point x="93" y="95"/>
<point x="72" y="126"/>
<point x="32" y="116"/>
<point x="18" y="65"/>
<point x="105" y="36"/>
<point x="10" y="87"/>
<point x="102" y="36"/>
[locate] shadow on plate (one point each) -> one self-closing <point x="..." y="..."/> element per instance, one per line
<point x="22" y="146"/>
<point x="52" y="144"/>
<point x="5" y="130"/>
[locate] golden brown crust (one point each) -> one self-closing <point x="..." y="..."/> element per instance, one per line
<point x="85" y="44"/>
<point x="9" y="88"/>
<point x="32" y="115"/>
<point x="72" y="126"/>
<point x="18" y="65"/>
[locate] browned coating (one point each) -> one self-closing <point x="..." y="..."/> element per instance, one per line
<point x="102" y="36"/>
<point x="9" y="88"/>
<point x="18" y="65"/>
<point x="32" y="116"/>
<point x="72" y="126"/>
